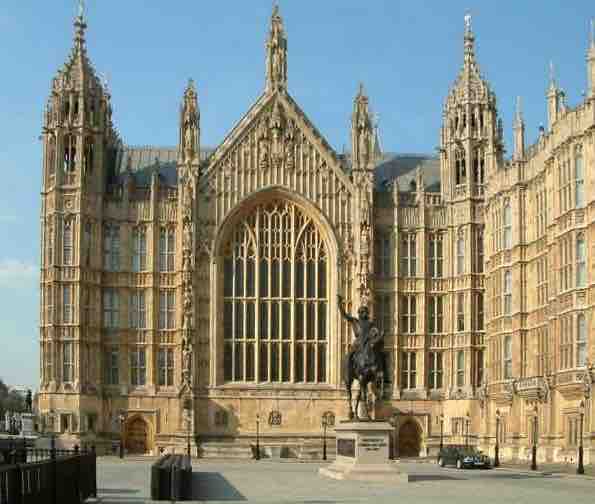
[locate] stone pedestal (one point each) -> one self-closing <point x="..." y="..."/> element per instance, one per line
<point x="362" y="453"/>
<point x="27" y="424"/>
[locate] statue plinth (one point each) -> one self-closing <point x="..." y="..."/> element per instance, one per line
<point x="363" y="453"/>
<point x="27" y="425"/>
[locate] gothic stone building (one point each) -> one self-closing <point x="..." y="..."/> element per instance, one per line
<point x="193" y="291"/>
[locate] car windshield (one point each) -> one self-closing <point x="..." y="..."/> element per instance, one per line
<point x="470" y="452"/>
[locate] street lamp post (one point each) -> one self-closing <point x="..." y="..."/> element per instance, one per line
<point x="497" y="449"/>
<point x="467" y="422"/>
<point x="188" y="425"/>
<point x="122" y="419"/>
<point x="324" y="426"/>
<point x="257" y="456"/>
<point x="534" y="447"/>
<point x="581" y="468"/>
<point x="441" y="431"/>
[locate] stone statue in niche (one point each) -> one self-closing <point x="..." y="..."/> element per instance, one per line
<point x="263" y="147"/>
<point x="187" y="241"/>
<point x="186" y="360"/>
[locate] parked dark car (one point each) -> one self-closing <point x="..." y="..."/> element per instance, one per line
<point x="463" y="457"/>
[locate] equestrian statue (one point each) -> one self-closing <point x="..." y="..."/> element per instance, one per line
<point x="364" y="362"/>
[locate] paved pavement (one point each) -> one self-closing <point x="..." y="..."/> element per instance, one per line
<point x="264" y="481"/>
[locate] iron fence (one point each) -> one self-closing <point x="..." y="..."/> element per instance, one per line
<point x="49" y="476"/>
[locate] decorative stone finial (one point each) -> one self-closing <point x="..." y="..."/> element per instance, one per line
<point x="468" y="22"/>
<point x="552" y="73"/>
<point x="518" y="115"/>
<point x="276" y="60"/>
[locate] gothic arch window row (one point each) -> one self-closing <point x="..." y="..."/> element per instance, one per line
<point x="275" y="289"/>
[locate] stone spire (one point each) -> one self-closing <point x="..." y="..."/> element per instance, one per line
<point x="362" y="131"/>
<point x="189" y="126"/>
<point x="276" y="54"/>
<point x="553" y="98"/>
<point x="469" y="45"/>
<point x="591" y="61"/>
<point x="469" y="85"/>
<point x="519" y="132"/>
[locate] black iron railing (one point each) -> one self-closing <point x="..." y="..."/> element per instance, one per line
<point x="50" y="476"/>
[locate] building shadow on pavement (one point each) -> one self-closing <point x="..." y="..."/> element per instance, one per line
<point x="212" y="486"/>
<point x="433" y="477"/>
<point x="119" y="491"/>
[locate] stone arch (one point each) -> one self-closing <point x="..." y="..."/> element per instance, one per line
<point x="138" y="434"/>
<point x="267" y="194"/>
<point x="224" y="233"/>
<point x="409" y="438"/>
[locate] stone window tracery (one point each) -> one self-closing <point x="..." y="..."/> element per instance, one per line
<point x="579" y="180"/>
<point x="167" y="244"/>
<point x="408" y="255"/>
<point x="461" y="311"/>
<point x="435" y="255"/>
<point x="435" y="370"/>
<point x="507" y="292"/>
<point x="383" y="255"/>
<point x="67" y="242"/>
<point x="138" y="366"/>
<point x="408" y="370"/>
<point x="408" y="314"/>
<point x="581" y="340"/>
<point x="460" y="167"/>
<point x="581" y="261"/>
<point x="138" y="319"/>
<point x="507" y="357"/>
<point x="67" y="362"/>
<point x="460" y="253"/>
<point x="139" y="242"/>
<point x="111" y="359"/>
<point x="67" y="308"/>
<point x="435" y="314"/>
<point x="507" y="238"/>
<point x="165" y="360"/>
<point x="460" y="368"/>
<point x="111" y="247"/>
<point x="275" y="289"/>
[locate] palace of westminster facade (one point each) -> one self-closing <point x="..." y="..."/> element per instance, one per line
<point x="192" y="290"/>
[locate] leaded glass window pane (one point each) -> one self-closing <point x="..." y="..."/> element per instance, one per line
<point x="274" y="252"/>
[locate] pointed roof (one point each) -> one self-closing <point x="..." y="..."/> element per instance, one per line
<point x="77" y="70"/>
<point x="470" y="84"/>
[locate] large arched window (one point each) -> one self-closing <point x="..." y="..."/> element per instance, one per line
<point x="275" y="290"/>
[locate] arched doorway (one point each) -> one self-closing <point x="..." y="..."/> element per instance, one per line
<point x="137" y="436"/>
<point x="409" y="439"/>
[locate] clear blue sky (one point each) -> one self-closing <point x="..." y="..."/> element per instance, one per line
<point x="407" y="54"/>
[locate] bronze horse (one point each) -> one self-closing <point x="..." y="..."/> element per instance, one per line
<point x="364" y="362"/>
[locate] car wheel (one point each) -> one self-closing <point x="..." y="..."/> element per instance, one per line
<point x="441" y="462"/>
<point x="459" y="464"/>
